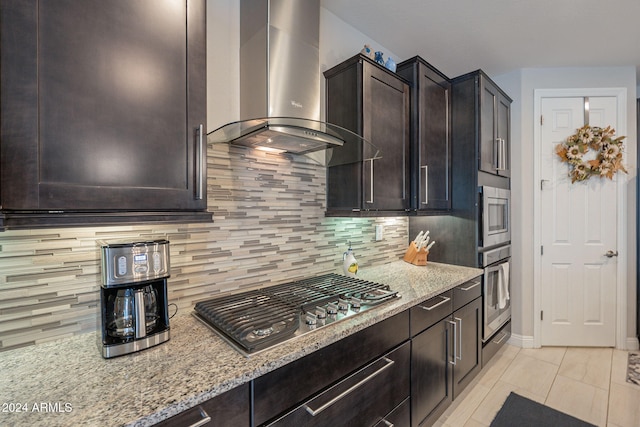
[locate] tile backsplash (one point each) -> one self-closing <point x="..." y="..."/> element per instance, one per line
<point x="269" y="227"/>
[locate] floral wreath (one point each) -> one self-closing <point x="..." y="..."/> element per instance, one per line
<point x="608" y="159"/>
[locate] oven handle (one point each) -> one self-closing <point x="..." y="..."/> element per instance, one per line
<point x="360" y="383"/>
<point x="444" y="299"/>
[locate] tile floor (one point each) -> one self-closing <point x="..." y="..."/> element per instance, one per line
<point x="587" y="383"/>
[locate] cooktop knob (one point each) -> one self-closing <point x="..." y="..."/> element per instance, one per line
<point x="343" y="304"/>
<point x="332" y="308"/>
<point x="321" y="313"/>
<point x="356" y="302"/>
<point x="311" y="319"/>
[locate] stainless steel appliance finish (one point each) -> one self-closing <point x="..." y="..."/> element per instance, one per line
<point x="280" y="81"/>
<point x="133" y="296"/>
<point x="495" y="217"/>
<point x="256" y="320"/>
<point x="497" y="308"/>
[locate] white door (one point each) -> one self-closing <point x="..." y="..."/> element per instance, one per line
<point x="578" y="227"/>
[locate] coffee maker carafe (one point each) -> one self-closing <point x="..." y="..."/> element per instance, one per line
<point x="133" y="296"/>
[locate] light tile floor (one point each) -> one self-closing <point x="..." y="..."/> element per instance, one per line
<point x="587" y="383"/>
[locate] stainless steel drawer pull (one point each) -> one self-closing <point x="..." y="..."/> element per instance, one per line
<point x="200" y="168"/>
<point x="205" y="419"/>
<point x="371" y="181"/>
<point x="455" y="342"/>
<point x="457" y="319"/>
<point x="426" y="185"/>
<point x="468" y="288"/>
<point x="501" y="339"/>
<point x="387" y="423"/>
<point x="444" y="299"/>
<point x="314" y="412"/>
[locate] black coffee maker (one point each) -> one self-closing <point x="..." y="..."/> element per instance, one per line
<point x="133" y="296"/>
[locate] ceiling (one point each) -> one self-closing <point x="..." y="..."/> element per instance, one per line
<point x="500" y="36"/>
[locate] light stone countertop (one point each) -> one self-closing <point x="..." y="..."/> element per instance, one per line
<point x="78" y="387"/>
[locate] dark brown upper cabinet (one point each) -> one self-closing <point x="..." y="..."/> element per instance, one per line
<point x="103" y="112"/>
<point x="430" y="175"/>
<point x="373" y="102"/>
<point x="482" y="111"/>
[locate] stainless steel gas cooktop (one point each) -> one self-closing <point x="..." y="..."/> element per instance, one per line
<point x="256" y="320"/>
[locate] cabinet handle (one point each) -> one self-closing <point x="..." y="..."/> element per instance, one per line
<point x="455" y="344"/>
<point x="387" y="423"/>
<point x="426" y="185"/>
<point x="314" y="412"/>
<point x="501" y="339"/>
<point x="496" y="154"/>
<point x="444" y="299"/>
<point x="371" y="180"/>
<point x="501" y="154"/>
<point x="457" y="319"/>
<point x="205" y="419"/>
<point x="199" y="184"/>
<point x="468" y="288"/>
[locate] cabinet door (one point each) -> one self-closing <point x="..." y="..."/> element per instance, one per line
<point x="434" y="145"/>
<point x="430" y="374"/>
<point x="113" y="96"/>
<point x="386" y="125"/>
<point x="467" y="344"/>
<point x="488" y="149"/>
<point x="494" y="130"/>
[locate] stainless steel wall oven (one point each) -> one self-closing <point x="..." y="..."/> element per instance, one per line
<point x="495" y="223"/>
<point x="497" y="286"/>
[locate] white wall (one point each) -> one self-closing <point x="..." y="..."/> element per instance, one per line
<point x="520" y="85"/>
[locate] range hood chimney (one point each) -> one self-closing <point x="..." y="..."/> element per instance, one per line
<point x="280" y="81"/>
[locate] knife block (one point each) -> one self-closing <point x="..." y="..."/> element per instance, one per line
<point x="415" y="256"/>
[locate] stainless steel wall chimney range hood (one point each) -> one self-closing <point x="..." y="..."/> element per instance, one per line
<point x="280" y="83"/>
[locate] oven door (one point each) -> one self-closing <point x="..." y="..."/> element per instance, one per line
<point x="497" y="303"/>
<point x="495" y="222"/>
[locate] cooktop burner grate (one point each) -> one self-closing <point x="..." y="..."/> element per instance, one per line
<point x="257" y="319"/>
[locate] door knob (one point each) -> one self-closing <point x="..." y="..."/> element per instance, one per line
<point x="611" y="254"/>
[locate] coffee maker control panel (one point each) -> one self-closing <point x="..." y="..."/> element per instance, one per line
<point x="131" y="262"/>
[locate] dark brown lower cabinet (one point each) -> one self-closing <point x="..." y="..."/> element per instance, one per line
<point x="468" y="355"/>
<point x="230" y="409"/>
<point x="365" y="398"/>
<point x="445" y="350"/>
<point x="431" y="375"/>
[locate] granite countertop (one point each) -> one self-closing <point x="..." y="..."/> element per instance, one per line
<point x="67" y="382"/>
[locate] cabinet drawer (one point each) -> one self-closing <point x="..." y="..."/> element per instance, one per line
<point x="285" y="388"/>
<point x="431" y="311"/>
<point x="399" y="417"/>
<point x="361" y="399"/>
<point x="228" y="409"/>
<point x="491" y="347"/>
<point x="467" y="292"/>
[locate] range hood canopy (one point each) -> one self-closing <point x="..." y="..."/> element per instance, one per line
<point x="280" y="86"/>
<point x="296" y="136"/>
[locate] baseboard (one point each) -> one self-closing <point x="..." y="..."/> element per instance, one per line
<point x="632" y="343"/>
<point x="522" y="341"/>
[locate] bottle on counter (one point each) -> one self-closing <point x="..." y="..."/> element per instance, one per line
<point x="349" y="263"/>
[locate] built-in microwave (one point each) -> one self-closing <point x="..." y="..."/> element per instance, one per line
<point x="495" y="222"/>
